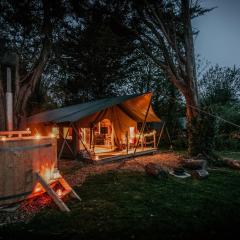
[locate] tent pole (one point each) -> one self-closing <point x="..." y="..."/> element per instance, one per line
<point x="63" y="144"/>
<point x="143" y="127"/>
<point x="161" y="132"/>
<point x="93" y="139"/>
<point x="126" y="134"/>
<point x="69" y="147"/>
<point x="81" y="139"/>
<point x="169" y="138"/>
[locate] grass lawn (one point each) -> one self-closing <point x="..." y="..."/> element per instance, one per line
<point x="228" y="154"/>
<point x="132" y="205"/>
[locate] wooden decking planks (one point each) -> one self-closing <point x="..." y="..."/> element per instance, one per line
<point x="126" y="156"/>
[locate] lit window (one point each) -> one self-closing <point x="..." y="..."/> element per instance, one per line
<point x="55" y="131"/>
<point x="131" y="134"/>
<point x="67" y="133"/>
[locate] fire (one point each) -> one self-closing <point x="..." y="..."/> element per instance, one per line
<point x="47" y="174"/>
<point x="38" y="188"/>
<point x="59" y="192"/>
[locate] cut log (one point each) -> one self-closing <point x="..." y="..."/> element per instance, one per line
<point x="194" y="164"/>
<point x="235" y="164"/>
<point x="156" y="170"/>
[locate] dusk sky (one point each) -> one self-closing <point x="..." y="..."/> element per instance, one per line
<point x="219" y="37"/>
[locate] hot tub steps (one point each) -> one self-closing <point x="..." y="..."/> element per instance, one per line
<point x="57" y="197"/>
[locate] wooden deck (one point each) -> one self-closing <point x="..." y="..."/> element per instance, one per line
<point x="112" y="156"/>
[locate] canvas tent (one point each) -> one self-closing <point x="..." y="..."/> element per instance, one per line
<point x="123" y="112"/>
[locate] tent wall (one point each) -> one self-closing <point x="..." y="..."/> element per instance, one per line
<point x="120" y="121"/>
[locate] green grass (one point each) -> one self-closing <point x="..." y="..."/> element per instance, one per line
<point x="135" y="206"/>
<point x="228" y="154"/>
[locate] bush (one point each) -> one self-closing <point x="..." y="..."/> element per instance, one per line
<point x="225" y="142"/>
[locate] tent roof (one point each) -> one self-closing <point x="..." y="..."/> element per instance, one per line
<point x="134" y="105"/>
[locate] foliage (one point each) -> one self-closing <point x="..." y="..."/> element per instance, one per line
<point x="220" y="89"/>
<point x="40" y="101"/>
<point x="29" y="28"/>
<point x="133" y="205"/>
<point x="220" y="85"/>
<point x="91" y="59"/>
<point x="203" y="134"/>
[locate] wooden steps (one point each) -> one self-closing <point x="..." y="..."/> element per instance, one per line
<point x="57" y="198"/>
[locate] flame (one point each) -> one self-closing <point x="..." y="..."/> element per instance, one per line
<point x="47" y="174"/>
<point x="59" y="192"/>
<point x="38" y="188"/>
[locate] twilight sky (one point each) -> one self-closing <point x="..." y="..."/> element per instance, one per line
<point x="219" y="37"/>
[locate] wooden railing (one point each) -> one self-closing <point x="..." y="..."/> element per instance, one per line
<point x="15" y="133"/>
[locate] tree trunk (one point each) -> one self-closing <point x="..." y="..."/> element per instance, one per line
<point x="2" y="104"/>
<point x="192" y="115"/>
<point x="25" y="89"/>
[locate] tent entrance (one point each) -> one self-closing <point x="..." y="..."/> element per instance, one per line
<point x="99" y="138"/>
<point x="103" y="136"/>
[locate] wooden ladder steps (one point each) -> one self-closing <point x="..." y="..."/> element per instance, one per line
<point x="58" y="198"/>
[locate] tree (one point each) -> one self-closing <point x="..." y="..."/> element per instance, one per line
<point x="220" y="85"/>
<point x="90" y="59"/>
<point x="29" y="29"/>
<point x="163" y="29"/>
<point x="144" y="76"/>
<point x="220" y="89"/>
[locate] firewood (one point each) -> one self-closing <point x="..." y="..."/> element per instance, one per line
<point x="193" y="164"/>
<point x="156" y="170"/>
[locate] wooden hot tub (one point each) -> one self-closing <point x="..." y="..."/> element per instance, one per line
<point x="20" y="159"/>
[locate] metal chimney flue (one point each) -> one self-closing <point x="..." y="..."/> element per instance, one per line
<point x="9" y="100"/>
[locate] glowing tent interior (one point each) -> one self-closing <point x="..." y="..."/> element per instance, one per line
<point x="102" y="128"/>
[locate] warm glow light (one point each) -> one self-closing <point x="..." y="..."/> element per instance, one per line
<point x="28" y="129"/>
<point x="47" y="174"/>
<point x="52" y="135"/>
<point x="59" y="192"/>
<point x="38" y="188"/>
<point x="3" y="138"/>
<point x="37" y="136"/>
<point x="132" y="134"/>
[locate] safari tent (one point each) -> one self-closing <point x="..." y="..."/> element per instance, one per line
<point x="101" y="128"/>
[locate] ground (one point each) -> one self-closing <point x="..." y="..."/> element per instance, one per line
<point x="76" y="173"/>
<point x="125" y="203"/>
